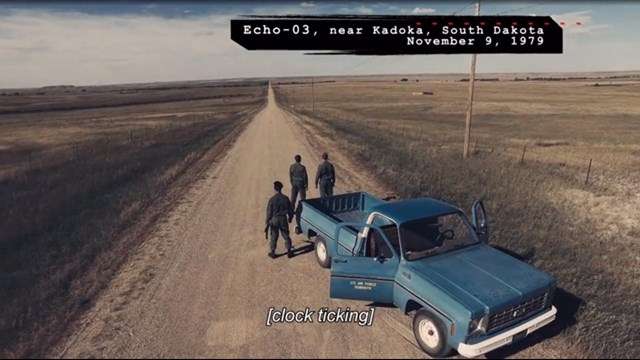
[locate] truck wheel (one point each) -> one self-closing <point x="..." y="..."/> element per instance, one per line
<point x="322" y="253"/>
<point x="431" y="334"/>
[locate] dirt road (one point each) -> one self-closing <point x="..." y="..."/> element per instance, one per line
<point x="202" y="284"/>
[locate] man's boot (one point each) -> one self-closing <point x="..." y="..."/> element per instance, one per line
<point x="290" y="253"/>
<point x="272" y="254"/>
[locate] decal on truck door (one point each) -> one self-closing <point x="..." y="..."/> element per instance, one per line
<point x="369" y="276"/>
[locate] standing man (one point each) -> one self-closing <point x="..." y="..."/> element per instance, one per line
<point x="326" y="177"/>
<point x="299" y="184"/>
<point x="299" y="180"/>
<point x="279" y="210"/>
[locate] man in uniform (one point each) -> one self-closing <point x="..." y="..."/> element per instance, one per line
<point x="299" y="184"/>
<point x="299" y="180"/>
<point x="279" y="210"/>
<point x="325" y="177"/>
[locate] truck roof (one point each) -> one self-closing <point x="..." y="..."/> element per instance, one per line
<point x="412" y="209"/>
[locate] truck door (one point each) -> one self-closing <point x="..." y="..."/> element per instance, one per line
<point x="366" y="274"/>
<point x="480" y="221"/>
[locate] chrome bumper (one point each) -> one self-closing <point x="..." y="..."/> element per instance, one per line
<point x="506" y="337"/>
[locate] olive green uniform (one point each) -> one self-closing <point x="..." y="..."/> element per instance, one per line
<point x="299" y="182"/>
<point x="279" y="210"/>
<point x="326" y="178"/>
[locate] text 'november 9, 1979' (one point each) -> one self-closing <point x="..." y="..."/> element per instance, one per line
<point x="384" y="35"/>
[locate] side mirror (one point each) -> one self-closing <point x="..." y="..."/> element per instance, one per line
<point x="483" y="233"/>
<point x="380" y="258"/>
<point x="480" y="221"/>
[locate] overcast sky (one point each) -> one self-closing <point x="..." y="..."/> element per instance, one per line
<point x="53" y="43"/>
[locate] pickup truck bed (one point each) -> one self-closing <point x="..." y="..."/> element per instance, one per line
<point x="322" y="216"/>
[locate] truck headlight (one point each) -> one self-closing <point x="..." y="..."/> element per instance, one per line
<point x="473" y="325"/>
<point x="478" y="324"/>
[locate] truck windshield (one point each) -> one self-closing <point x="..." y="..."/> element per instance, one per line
<point x="436" y="235"/>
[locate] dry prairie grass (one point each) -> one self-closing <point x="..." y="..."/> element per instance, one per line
<point x="95" y="175"/>
<point x="585" y="235"/>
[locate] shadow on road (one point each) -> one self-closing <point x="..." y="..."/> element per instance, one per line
<point x="301" y="250"/>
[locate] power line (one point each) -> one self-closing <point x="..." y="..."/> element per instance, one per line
<point x="525" y="7"/>
<point x="462" y="8"/>
<point x="313" y="97"/>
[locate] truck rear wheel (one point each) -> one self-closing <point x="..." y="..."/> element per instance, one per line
<point x="431" y="334"/>
<point x="322" y="253"/>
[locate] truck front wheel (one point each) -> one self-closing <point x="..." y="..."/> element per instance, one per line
<point x="431" y="334"/>
<point x="322" y="253"/>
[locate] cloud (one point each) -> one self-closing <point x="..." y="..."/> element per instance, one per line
<point x="105" y="60"/>
<point x="39" y="48"/>
<point x="205" y="33"/>
<point x="150" y="8"/>
<point x="46" y="48"/>
<point x="423" y="11"/>
<point x="587" y="26"/>
<point x="364" y="10"/>
<point x="360" y="10"/>
<point x="307" y="4"/>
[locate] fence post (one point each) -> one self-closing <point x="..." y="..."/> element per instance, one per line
<point x="523" y="152"/>
<point x="475" y="146"/>
<point x="130" y="136"/>
<point x="77" y="151"/>
<point x="444" y="137"/>
<point x="588" y="171"/>
<point x="30" y="162"/>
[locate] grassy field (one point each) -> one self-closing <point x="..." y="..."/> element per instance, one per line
<point x="584" y="234"/>
<point x="78" y="168"/>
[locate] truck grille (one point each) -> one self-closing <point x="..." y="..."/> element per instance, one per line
<point x="513" y="315"/>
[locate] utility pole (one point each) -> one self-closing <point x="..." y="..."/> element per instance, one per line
<point x="313" y="97"/>
<point x="472" y="81"/>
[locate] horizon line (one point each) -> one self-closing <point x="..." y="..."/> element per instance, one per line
<point x="321" y="76"/>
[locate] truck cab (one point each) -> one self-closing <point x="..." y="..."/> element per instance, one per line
<point x="425" y="255"/>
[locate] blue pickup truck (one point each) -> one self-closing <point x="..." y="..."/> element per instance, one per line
<point x="424" y="255"/>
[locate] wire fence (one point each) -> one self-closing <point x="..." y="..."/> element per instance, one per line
<point x="420" y="138"/>
<point x="26" y="162"/>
